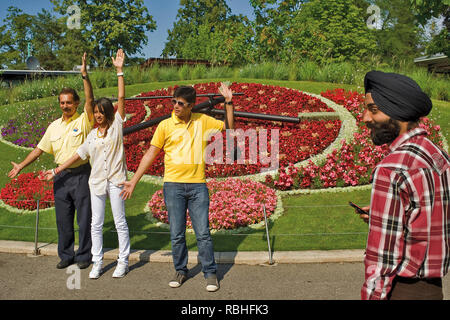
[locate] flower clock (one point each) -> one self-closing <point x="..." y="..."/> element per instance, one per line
<point x="297" y="141"/>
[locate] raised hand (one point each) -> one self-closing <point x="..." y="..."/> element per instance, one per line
<point x="226" y="92"/>
<point x="84" y="64"/>
<point x="119" y="60"/>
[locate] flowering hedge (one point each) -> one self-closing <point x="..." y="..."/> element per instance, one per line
<point x="234" y="203"/>
<point x="23" y="192"/>
<point x="297" y="142"/>
<point x="352" y="164"/>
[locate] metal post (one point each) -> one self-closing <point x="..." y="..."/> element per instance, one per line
<point x="36" y="250"/>
<point x="267" y="235"/>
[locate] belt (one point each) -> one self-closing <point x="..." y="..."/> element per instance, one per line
<point x="82" y="168"/>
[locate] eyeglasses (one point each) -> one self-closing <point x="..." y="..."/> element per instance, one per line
<point x="182" y="104"/>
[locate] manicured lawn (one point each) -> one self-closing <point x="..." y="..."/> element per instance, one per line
<point x="310" y="222"/>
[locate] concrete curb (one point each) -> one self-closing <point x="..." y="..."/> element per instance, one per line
<point x="242" y="257"/>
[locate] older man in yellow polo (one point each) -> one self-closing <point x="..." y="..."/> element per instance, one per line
<point x="71" y="190"/>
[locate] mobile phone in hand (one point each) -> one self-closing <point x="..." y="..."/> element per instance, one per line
<point x="358" y="209"/>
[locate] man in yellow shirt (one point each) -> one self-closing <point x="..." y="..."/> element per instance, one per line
<point x="184" y="137"/>
<point x="71" y="190"/>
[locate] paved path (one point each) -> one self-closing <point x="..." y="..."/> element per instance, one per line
<point x="24" y="276"/>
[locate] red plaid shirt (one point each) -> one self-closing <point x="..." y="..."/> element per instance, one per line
<point x="409" y="227"/>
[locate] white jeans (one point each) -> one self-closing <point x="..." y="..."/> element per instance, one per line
<point x="98" y="218"/>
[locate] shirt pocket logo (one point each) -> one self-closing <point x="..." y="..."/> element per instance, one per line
<point x="76" y="132"/>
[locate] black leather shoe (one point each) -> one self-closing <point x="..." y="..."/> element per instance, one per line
<point x="64" y="264"/>
<point x="83" y="264"/>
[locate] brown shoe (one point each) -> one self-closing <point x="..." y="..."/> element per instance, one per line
<point x="177" y="280"/>
<point x="212" y="284"/>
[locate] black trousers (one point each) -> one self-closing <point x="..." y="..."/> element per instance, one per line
<point x="416" y="289"/>
<point x="71" y="191"/>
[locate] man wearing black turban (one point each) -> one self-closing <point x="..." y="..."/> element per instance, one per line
<point x="406" y="254"/>
<point x="397" y="95"/>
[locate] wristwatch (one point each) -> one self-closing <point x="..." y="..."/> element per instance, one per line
<point x="84" y="77"/>
<point x="229" y="102"/>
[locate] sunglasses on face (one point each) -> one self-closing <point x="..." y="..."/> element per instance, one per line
<point x="182" y="104"/>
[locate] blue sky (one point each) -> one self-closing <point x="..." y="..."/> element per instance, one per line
<point x="163" y="11"/>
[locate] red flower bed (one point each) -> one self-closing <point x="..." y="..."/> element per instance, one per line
<point x="297" y="142"/>
<point x="233" y="203"/>
<point x="23" y="192"/>
<point x="351" y="165"/>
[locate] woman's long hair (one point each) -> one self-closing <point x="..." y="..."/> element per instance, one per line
<point x="106" y="108"/>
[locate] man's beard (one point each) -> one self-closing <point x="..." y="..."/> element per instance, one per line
<point x="384" y="132"/>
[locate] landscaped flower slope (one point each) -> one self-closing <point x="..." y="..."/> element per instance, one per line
<point x="352" y="164"/>
<point x="234" y="203"/>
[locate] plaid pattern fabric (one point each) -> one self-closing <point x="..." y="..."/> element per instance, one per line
<point x="409" y="227"/>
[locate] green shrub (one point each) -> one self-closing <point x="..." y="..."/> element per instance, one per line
<point x="198" y="72"/>
<point x="307" y="71"/>
<point x="436" y="86"/>
<point x="168" y="74"/>
<point x="154" y="72"/>
<point x="184" y="73"/>
<point x="281" y="72"/>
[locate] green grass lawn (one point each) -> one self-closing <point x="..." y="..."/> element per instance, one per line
<point x="310" y="222"/>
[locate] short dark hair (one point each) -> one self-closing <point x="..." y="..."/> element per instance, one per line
<point x="71" y="91"/>
<point x="186" y="92"/>
<point x="106" y="108"/>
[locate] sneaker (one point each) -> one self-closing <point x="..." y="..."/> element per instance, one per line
<point x="121" y="270"/>
<point x="96" y="270"/>
<point x="212" y="284"/>
<point x="177" y="280"/>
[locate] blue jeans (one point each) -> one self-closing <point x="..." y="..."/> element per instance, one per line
<point x="179" y="197"/>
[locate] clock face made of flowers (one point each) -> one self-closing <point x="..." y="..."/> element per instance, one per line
<point x="319" y="126"/>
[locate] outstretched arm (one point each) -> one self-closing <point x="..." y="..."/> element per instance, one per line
<point x="147" y="160"/>
<point x="118" y="63"/>
<point x="49" y="174"/>
<point x="33" y="155"/>
<point x="88" y="93"/>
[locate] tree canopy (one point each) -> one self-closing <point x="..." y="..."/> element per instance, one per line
<point x="294" y="30"/>
<point x="104" y="27"/>
<point x="280" y="30"/>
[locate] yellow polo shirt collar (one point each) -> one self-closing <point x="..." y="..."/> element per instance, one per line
<point x="177" y="120"/>
<point x="73" y="117"/>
